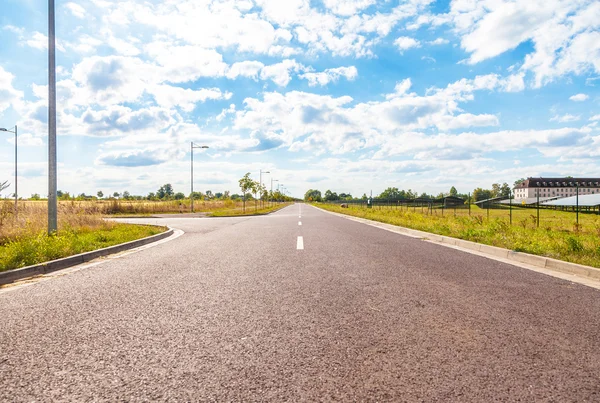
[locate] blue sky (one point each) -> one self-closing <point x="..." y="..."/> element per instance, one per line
<point x="347" y="95"/>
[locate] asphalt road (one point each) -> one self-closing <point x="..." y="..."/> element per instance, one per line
<point x="233" y="310"/>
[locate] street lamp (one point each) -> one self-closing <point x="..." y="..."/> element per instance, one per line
<point x="52" y="183"/>
<point x="192" y="146"/>
<point x="15" y="132"/>
<point x="260" y="182"/>
<point x="273" y="180"/>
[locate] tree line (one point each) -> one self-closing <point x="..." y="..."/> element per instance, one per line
<point x="393" y="193"/>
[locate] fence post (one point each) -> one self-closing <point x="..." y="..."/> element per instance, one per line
<point x="510" y="205"/>
<point x="577" y="187"/>
<point x="469" y="204"/>
<point x="538" y="208"/>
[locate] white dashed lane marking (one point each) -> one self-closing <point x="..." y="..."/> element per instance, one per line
<point x="299" y="222"/>
<point x="300" y="243"/>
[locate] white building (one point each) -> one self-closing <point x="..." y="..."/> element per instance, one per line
<point x="556" y="187"/>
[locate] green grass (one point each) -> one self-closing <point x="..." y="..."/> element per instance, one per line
<point x="250" y="210"/>
<point x="37" y="248"/>
<point x="557" y="237"/>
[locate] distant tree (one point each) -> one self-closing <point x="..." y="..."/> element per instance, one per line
<point x="226" y="194"/>
<point x="179" y="196"/>
<point x="116" y="195"/>
<point x="208" y="195"/>
<point x="345" y="196"/>
<point x="313" y="195"/>
<point x="165" y="191"/>
<point x="519" y="181"/>
<point x="35" y="196"/>
<point x="151" y="196"/>
<point x="481" y="194"/>
<point x="126" y="195"/>
<point x="330" y="196"/>
<point x="389" y="193"/>
<point x="453" y="192"/>
<point x="364" y="196"/>
<point x="499" y="190"/>
<point x="219" y="195"/>
<point x="100" y="194"/>
<point x="235" y="196"/>
<point x="59" y="193"/>
<point x="197" y="195"/>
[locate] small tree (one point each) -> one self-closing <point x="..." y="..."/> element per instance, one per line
<point x="247" y="185"/>
<point x="116" y="195"/>
<point x="100" y="194"/>
<point x="126" y="195"/>
<point x="179" y="196"/>
<point x="35" y="196"/>
<point x="453" y="191"/>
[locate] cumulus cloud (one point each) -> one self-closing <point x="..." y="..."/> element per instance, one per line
<point x="579" y="97"/>
<point x="330" y="75"/>
<point x="8" y="94"/>
<point x="405" y="42"/>
<point x="564" y="33"/>
<point x="279" y="73"/>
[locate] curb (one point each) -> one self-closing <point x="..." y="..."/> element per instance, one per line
<point x="579" y="270"/>
<point x="10" y="276"/>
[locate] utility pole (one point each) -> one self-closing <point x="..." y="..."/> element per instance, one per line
<point x="52" y="182"/>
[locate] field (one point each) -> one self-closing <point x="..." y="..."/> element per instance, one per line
<point x="558" y="236"/>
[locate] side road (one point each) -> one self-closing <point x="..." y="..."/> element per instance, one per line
<point x="586" y="275"/>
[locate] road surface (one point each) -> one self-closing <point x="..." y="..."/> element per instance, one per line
<point x="300" y="305"/>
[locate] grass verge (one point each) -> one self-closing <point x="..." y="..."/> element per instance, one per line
<point x="250" y="210"/>
<point x="34" y="248"/>
<point x="578" y="245"/>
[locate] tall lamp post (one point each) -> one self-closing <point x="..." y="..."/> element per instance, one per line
<point x="52" y="203"/>
<point x="192" y="146"/>
<point x="15" y="132"/>
<point x="273" y="180"/>
<point x="260" y="182"/>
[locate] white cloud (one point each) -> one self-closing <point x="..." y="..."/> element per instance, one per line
<point x="439" y="41"/>
<point x="280" y="73"/>
<point x="347" y="7"/>
<point x="579" y="97"/>
<point x="564" y="33"/>
<point x="8" y="94"/>
<point x="595" y="118"/>
<point x="330" y="75"/>
<point x="249" y="69"/>
<point x="405" y="42"/>
<point x="565" y="118"/>
<point x="76" y="9"/>
<point x="40" y="41"/>
<point x="305" y="121"/>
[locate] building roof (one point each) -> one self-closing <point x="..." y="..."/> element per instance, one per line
<point x="558" y="182"/>
<point x="528" y="201"/>
<point x="584" y="201"/>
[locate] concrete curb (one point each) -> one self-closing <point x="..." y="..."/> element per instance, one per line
<point x="10" y="276"/>
<point x="579" y="270"/>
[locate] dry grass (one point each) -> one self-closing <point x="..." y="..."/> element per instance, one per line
<point x="32" y="219"/>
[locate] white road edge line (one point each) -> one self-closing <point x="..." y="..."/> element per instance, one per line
<point x="300" y="243"/>
<point x="299" y="222"/>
